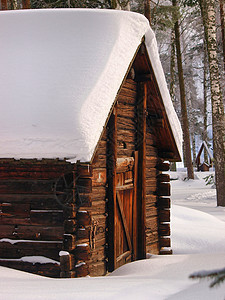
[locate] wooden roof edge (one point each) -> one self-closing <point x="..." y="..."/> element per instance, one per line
<point x="115" y="100"/>
<point x="204" y="145"/>
<point x="177" y="154"/>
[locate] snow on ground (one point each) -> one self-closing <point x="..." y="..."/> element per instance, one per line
<point x="198" y="241"/>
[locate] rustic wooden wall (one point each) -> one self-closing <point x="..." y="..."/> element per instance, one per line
<point x="31" y="220"/>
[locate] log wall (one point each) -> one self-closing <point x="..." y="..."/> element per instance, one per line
<point x="31" y="220"/>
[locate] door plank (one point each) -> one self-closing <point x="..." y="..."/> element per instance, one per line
<point x="124" y="222"/>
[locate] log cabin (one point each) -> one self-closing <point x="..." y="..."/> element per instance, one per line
<point x="87" y="130"/>
<point x="207" y="163"/>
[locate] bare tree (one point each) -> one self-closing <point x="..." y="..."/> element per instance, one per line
<point x="185" y="123"/>
<point x="4" y="5"/>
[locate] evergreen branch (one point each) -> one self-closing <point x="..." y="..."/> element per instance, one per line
<point x="218" y="276"/>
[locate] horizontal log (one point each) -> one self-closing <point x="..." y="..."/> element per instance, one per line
<point x="150" y="190"/>
<point x="152" y="224"/>
<point x="98" y="207"/>
<point x="11" y="220"/>
<point x="151" y="182"/>
<point x="98" y="254"/>
<point x="163" y="178"/>
<point x="151" y="200"/>
<point x="69" y="242"/>
<point x="99" y="161"/>
<point x="126" y="124"/>
<point x="20" y="209"/>
<point x="82" y="252"/>
<point x="43" y="217"/>
<point x="48" y="269"/>
<point x="128" y="92"/>
<point x="27" y="186"/>
<point x="98" y="269"/>
<point x="36" y="202"/>
<point x="163" y="166"/>
<point x="127" y="100"/>
<point x="100" y="220"/>
<point x="163" y="154"/>
<point x="98" y="192"/>
<point x="30" y="248"/>
<point x="166" y="251"/>
<point x="84" y="170"/>
<point x="153" y="248"/>
<point x="151" y="150"/>
<point x="151" y="211"/>
<point x="83" y="218"/>
<point x="126" y="111"/>
<point x="70" y="274"/>
<point x="163" y="189"/>
<point x="127" y="136"/>
<point x="81" y="269"/>
<point x="125" y="152"/>
<point x="84" y="185"/>
<point x="165" y="242"/>
<point x="83" y="233"/>
<point x="151" y="237"/>
<point x="83" y="200"/>
<point x="164" y="229"/>
<point x="125" y="163"/>
<point x="163" y="202"/>
<point x="130" y="84"/>
<point x="35" y="171"/>
<point x="164" y="215"/>
<point x="39" y="233"/>
<point x="70" y="225"/>
<point x="99" y="178"/>
<point x="69" y="211"/>
<point x="151" y="162"/>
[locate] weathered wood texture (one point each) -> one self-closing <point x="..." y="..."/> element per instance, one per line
<point x="152" y="233"/>
<point x="47" y="269"/>
<point x="31" y="216"/>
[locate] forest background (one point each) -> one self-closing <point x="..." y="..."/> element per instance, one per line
<point x="191" y="43"/>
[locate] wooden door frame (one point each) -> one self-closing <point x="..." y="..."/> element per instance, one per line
<point x="139" y="215"/>
<point x="141" y="186"/>
<point x="111" y="191"/>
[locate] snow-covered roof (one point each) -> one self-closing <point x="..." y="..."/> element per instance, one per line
<point x="60" y="71"/>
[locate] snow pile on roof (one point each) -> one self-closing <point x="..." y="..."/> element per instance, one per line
<point x="60" y="73"/>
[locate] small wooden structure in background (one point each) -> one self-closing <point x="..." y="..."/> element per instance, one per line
<point x="104" y="212"/>
<point x="205" y="165"/>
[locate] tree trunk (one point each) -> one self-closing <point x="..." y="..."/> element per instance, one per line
<point x="222" y="18"/>
<point x="172" y="67"/>
<point x="115" y="4"/>
<point x="205" y="133"/>
<point x="172" y="81"/>
<point x="13" y="4"/>
<point x="209" y="22"/>
<point x="4" y="5"/>
<point x="26" y="4"/>
<point x="185" y="123"/>
<point x="193" y="148"/>
<point x="147" y="10"/>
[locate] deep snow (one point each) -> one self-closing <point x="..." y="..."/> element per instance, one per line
<point x="198" y="241"/>
<point x="61" y="70"/>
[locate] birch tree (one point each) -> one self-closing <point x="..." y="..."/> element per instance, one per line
<point x="222" y="21"/>
<point x="209" y="22"/>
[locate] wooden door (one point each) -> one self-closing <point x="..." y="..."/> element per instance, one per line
<point x="125" y="221"/>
